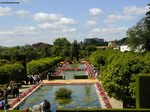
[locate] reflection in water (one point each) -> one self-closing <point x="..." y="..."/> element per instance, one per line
<point x="87" y="90"/>
<point x="71" y="74"/>
<point x="62" y="101"/>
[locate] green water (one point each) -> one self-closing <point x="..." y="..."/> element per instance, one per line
<point x="83" y="96"/>
<point x="71" y="74"/>
<point x="76" y="66"/>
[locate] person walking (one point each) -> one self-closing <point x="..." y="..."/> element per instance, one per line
<point x="17" y="91"/>
<point x="13" y="91"/>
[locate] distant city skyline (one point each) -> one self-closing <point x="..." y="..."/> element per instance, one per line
<point x="33" y="21"/>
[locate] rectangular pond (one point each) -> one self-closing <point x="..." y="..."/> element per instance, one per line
<point x="71" y="74"/>
<point x="83" y="96"/>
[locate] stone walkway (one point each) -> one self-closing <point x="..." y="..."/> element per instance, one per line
<point x="76" y="81"/>
<point x="24" y="92"/>
<point x="115" y="103"/>
<point x="23" y="89"/>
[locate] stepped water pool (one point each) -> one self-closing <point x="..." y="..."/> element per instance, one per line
<point x="76" y="66"/>
<point x="83" y="96"/>
<point x="71" y="74"/>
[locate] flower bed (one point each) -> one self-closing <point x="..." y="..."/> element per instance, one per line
<point x="103" y="94"/>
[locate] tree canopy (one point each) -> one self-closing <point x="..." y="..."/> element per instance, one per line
<point x="74" y="51"/>
<point x="118" y="72"/>
<point x="139" y="35"/>
<point x="61" y="47"/>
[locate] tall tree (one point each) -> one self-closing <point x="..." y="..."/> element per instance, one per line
<point x="147" y="20"/>
<point x="61" y="47"/>
<point x="139" y="35"/>
<point x="118" y="72"/>
<point x="90" y="49"/>
<point x="74" y="52"/>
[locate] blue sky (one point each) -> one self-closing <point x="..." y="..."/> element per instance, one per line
<point x="33" y="21"/>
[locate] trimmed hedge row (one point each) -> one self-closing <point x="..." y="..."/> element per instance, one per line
<point x="41" y="65"/>
<point x="93" y="110"/>
<point x="80" y="77"/>
<point x="11" y="110"/>
<point x="103" y="110"/>
<point x="15" y="72"/>
<point x="56" y="77"/>
<point x="143" y="91"/>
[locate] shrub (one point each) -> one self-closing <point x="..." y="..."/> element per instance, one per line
<point x="63" y="92"/>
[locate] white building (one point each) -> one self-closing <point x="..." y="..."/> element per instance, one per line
<point x="124" y="48"/>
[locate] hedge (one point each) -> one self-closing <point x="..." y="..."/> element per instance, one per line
<point x="15" y="72"/>
<point x="143" y="91"/>
<point x="103" y="110"/>
<point x="56" y="77"/>
<point x="38" y="66"/>
<point x="11" y="110"/>
<point x="80" y="77"/>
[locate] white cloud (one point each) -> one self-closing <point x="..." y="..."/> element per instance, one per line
<point x="28" y="30"/>
<point x="19" y="35"/>
<point x="5" y="11"/>
<point x="46" y="17"/>
<point x="105" y="31"/>
<point x="23" y="13"/>
<point x="135" y="10"/>
<point x="113" y="18"/>
<point x="46" y="26"/>
<point x="95" y="11"/>
<point x="4" y="33"/>
<point x="90" y="23"/>
<point x="52" y="22"/>
<point x="109" y="33"/>
<point x="19" y="30"/>
<point x="51" y="26"/>
<point x="53" y="18"/>
<point x="66" y="21"/>
<point x="69" y="30"/>
<point x="59" y="28"/>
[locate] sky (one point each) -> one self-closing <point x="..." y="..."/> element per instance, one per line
<point x="30" y="21"/>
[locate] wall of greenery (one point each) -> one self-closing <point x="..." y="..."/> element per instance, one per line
<point x="102" y="110"/>
<point x="142" y="91"/>
<point x="118" y="72"/>
<point x="13" y="72"/>
<point x="41" y="65"/>
<point x="17" y="72"/>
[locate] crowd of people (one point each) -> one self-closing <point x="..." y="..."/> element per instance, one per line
<point x="33" y="79"/>
<point x="11" y="89"/>
<point x="3" y="104"/>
